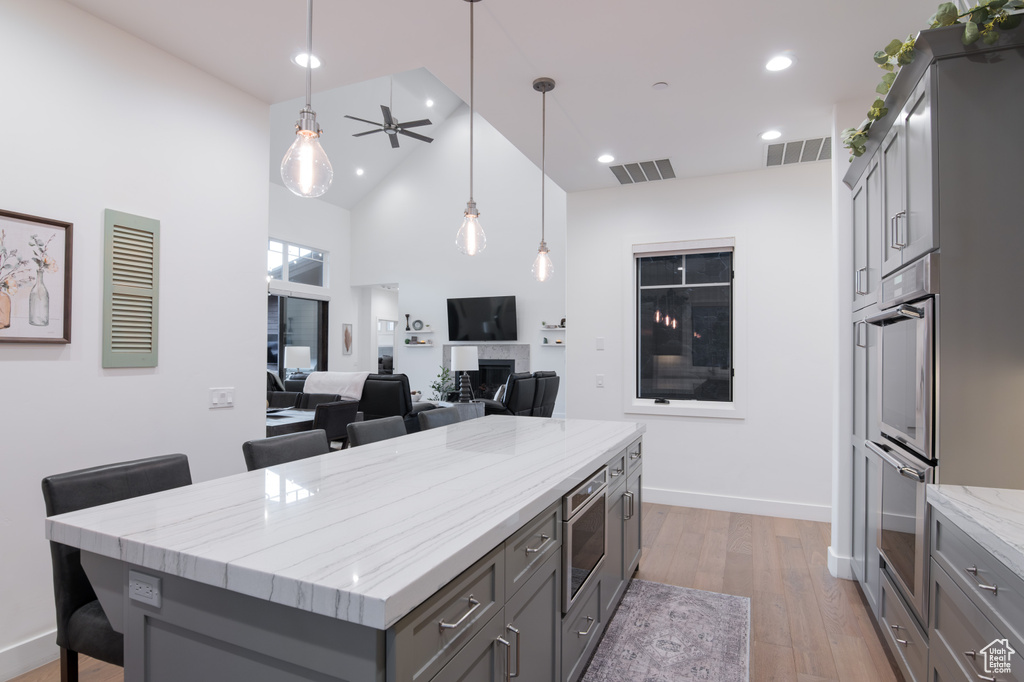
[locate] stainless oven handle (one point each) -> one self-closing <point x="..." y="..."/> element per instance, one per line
<point x="904" y="470"/>
<point x="910" y="311"/>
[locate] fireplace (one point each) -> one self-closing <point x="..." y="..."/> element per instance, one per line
<point x="496" y="362"/>
<point x="491" y="375"/>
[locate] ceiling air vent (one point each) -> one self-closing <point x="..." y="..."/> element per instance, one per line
<point x="644" y="171"/>
<point x="801" y="151"/>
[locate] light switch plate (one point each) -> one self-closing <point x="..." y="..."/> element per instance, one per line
<point x="600" y="381"/>
<point x="600" y="343"/>
<point x="144" y="588"/>
<point x="222" y="397"/>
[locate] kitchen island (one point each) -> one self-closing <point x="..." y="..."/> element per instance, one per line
<point x="306" y="571"/>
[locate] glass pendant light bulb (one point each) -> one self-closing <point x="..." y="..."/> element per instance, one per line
<point x="542" y="267"/>
<point x="471" y="239"/>
<point x="305" y="169"/>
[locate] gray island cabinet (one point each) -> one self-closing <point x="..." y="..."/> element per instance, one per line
<point x="434" y="557"/>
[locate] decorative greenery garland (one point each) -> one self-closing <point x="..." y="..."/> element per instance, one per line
<point x="984" y="21"/>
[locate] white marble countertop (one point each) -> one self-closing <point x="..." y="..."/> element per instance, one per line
<point x="364" y="535"/>
<point x="994" y="517"/>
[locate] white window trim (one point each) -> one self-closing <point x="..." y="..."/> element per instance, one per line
<point x="286" y="287"/>
<point x="687" y="408"/>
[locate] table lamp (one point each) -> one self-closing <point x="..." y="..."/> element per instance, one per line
<point x="296" y="357"/>
<point x="464" y="359"/>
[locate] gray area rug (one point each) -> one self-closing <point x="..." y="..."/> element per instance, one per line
<point x="663" y="633"/>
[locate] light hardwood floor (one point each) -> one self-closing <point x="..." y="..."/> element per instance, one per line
<point x="806" y="626"/>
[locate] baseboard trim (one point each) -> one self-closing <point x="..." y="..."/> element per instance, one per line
<point x="28" y="655"/>
<point x="740" y="505"/>
<point x="840" y="566"/>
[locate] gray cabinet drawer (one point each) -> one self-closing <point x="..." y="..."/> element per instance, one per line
<point x="617" y="470"/>
<point x="956" y="552"/>
<point x="960" y="629"/>
<point x="634" y="455"/>
<point x="581" y="629"/>
<point x="902" y="633"/>
<point x="483" y="659"/>
<point x="418" y="645"/>
<point x="530" y="547"/>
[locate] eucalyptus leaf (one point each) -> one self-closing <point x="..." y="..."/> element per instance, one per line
<point x="888" y="67"/>
<point x="997" y="4"/>
<point x="877" y="104"/>
<point x="881" y="57"/>
<point x="946" y="14"/>
<point x="1015" y="4"/>
<point x="990" y="37"/>
<point x="888" y="78"/>
<point x="1010" y="21"/>
<point x="980" y="16"/>
<point x="971" y="33"/>
<point x="893" y="47"/>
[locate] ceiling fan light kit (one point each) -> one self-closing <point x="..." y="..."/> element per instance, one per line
<point x="305" y="169"/>
<point x="471" y="239"/>
<point x="542" y="266"/>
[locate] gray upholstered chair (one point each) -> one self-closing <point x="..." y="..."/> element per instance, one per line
<point x="333" y="418"/>
<point x="545" y="393"/>
<point x="268" y="452"/>
<point x="469" y="411"/>
<point x="82" y="626"/>
<point x="518" y="398"/>
<point x="282" y="398"/>
<point x="388" y="395"/>
<point x="365" y="432"/>
<point x="442" y="417"/>
<point x="309" y="401"/>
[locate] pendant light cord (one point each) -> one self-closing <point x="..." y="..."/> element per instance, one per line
<point x="471" y="4"/>
<point x="543" y="156"/>
<point x="309" y="52"/>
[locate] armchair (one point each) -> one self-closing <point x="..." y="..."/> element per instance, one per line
<point x="518" y="398"/>
<point x="389" y="395"/>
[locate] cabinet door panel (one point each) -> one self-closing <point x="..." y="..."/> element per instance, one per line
<point x="631" y="537"/>
<point x="613" y="570"/>
<point x="536" y="612"/>
<point x="872" y="521"/>
<point x="860" y="381"/>
<point x="860" y="244"/>
<point x="893" y="169"/>
<point x="919" y="229"/>
<point x="859" y="511"/>
<point x="483" y="659"/>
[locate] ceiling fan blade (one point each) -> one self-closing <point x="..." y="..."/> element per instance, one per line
<point x="373" y="123"/>
<point x="369" y="132"/>
<point x="387" y="115"/>
<point x="415" y="136"/>
<point x="394" y="141"/>
<point x="414" y="124"/>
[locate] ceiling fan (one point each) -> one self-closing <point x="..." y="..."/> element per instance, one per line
<point x="393" y="127"/>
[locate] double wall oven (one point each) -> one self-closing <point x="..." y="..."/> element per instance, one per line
<point x="906" y="439"/>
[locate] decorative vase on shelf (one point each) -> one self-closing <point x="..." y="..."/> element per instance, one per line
<point x="5" y="310"/>
<point x="407" y="327"/>
<point x="39" y="303"/>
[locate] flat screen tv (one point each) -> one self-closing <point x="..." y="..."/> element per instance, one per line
<point x="487" y="318"/>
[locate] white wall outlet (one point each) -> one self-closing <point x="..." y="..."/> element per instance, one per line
<point x="144" y="588"/>
<point x="600" y="343"/>
<point x="600" y="381"/>
<point x="222" y="397"/>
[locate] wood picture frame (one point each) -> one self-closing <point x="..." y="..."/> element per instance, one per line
<point x="35" y="279"/>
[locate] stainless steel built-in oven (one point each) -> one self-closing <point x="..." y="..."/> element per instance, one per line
<point x="903" y="526"/>
<point x="585" y="536"/>
<point x="907" y="356"/>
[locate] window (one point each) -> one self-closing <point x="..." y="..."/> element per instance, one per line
<point x="298" y="264"/>
<point x="293" y="321"/>
<point x="684" y="323"/>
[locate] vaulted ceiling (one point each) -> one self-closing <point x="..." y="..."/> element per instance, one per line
<point x="605" y="56"/>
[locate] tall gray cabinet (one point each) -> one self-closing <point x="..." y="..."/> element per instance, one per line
<point x="943" y="171"/>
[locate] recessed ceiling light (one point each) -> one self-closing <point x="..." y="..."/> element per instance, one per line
<point x="771" y="135"/>
<point x="606" y="158"/>
<point x="300" y="59"/>
<point x="430" y="102"/>
<point x="660" y="85"/>
<point x="779" y="63"/>
<point x="359" y="171"/>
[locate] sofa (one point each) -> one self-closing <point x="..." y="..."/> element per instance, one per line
<point x="526" y="395"/>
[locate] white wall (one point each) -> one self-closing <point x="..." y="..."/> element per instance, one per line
<point x="776" y="460"/>
<point x="404" y="231"/>
<point x="92" y="118"/>
<point x="320" y="225"/>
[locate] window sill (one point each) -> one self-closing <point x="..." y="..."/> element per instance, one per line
<point x="686" y="408"/>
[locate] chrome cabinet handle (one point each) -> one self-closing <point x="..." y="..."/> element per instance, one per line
<point x="616" y="473"/>
<point x="544" y="538"/>
<point x="973" y="655"/>
<point x="636" y="455"/>
<point x="900" y="244"/>
<point x="474" y="605"/>
<point x="589" y="628"/>
<point x="896" y="629"/>
<point x="515" y="632"/>
<point x="627" y="515"/>
<point x="894" y="224"/>
<point x="892" y="232"/>
<point x="508" y="657"/>
<point x="858" y="280"/>
<point x="973" y="572"/>
<point x="861" y="324"/>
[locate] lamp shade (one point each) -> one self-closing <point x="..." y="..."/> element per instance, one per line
<point x="297" y="357"/>
<point x="465" y="358"/>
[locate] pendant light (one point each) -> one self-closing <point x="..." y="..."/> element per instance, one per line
<point x="542" y="267"/>
<point x="305" y="169"/>
<point x="471" y="239"/>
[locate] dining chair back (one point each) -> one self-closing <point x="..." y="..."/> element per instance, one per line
<point x="309" y="401"/>
<point x="82" y="626"/>
<point x="442" y="417"/>
<point x="334" y="419"/>
<point x="469" y="411"/>
<point x="365" y="432"/>
<point x="268" y="452"/>
<point x="283" y="398"/>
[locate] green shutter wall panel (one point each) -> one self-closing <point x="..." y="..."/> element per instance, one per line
<point x="131" y="285"/>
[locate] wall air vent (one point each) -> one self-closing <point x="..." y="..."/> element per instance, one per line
<point x="644" y="171"/>
<point x="801" y="151"/>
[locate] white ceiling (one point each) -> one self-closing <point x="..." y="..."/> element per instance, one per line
<point x="603" y="54"/>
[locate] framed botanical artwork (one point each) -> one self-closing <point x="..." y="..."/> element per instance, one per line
<point x="346" y="339"/>
<point x="35" y="279"/>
